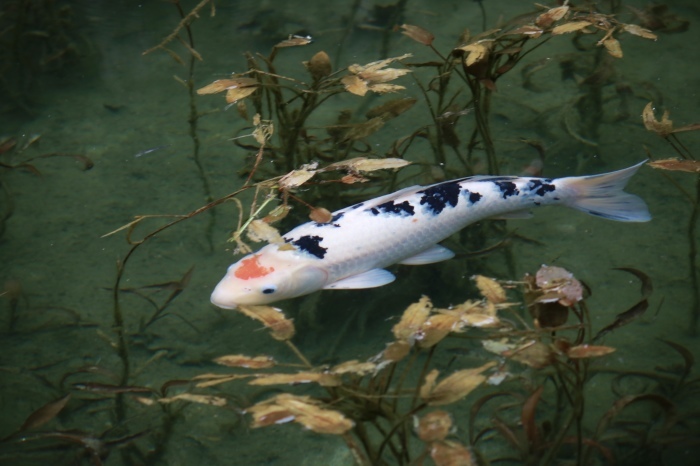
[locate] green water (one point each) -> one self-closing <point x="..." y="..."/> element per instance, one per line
<point x="129" y="115"/>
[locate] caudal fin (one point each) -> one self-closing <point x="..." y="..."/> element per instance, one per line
<point x="603" y="196"/>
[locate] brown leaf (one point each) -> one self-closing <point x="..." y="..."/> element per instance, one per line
<point x="613" y="47"/>
<point x="240" y="360"/>
<point x="321" y="378"/>
<point x="296" y="177"/>
<point x="663" y="127"/>
<point x="193" y="398"/>
<point x="527" y="30"/>
<point x="454" y="387"/>
<point x="319" y="66"/>
<point x="354" y="367"/>
<point x="391" y="109"/>
<point x="477" y="51"/>
<point x="259" y="230"/>
<point x="418" y="34"/>
<point x="413" y="319"/>
<point x="362" y="130"/>
<point x="551" y="16"/>
<point x="396" y="351"/>
<point x="434" y="426"/>
<point x="639" y="31"/>
<point x="362" y="164"/>
<point x="221" y="85"/>
<point x="490" y="289"/>
<point x="294" y="41"/>
<point x="691" y="166"/>
<point x="436" y="328"/>
<point x="588" y="351"/>
<point x="234" y="95"/>
<point x="320" y="215"/>
<point x="451" y="453"/>
<point x="534" y="354"/>
<point x="273" y="318"/>
<point x="44" y="414"/>
<point x="355" y="85"/>
<point x="352" y="178"/>
<point x="558" y="284"/>
<point x="301" y="409"/>
<point x="570" y="27"/>
<point x="383" y="88"/>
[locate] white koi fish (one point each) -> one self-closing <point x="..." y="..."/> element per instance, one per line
<point x="351" y="251"/>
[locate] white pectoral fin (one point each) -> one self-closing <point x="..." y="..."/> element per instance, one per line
<point x="431" y="255"/>
<point x="370" y="279"/>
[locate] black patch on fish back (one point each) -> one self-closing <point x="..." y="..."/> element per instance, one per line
<point x="403" y="209"/>
<point x="310" y="244"/>
<point x="541" y="187"/>
<point x="357" y="206"/>
<point x="507" y="188"/>
<point x="473" y="197"/>
<point x="439" y="196"/>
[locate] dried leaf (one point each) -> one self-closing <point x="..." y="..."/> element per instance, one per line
<point x="259" y="230"/>
<point x="551" y="16"/>
<point x="454" y="387"/>
<point x="588" y="351"/>
<point x="320" y="215"/>
<point x="559" y="284"/>
<point x="662" y="127"/>
<point x="362" y="130"/>
<point x="355" y="85"/>
<point x="296" y="178"/>
<point x="570" y="27"/>
<point x="613" y="47"/>
<point x="277" y="214"/>
<point x="216" y="379"/>
<point x="434" y="426"/>
<point x="527" y="30"/>
<point x="450" y="453"/>
<point x="354" y="367"/>
<point x="391" y="109"/>
<point x="396" y="351"/>
<point x="490" y="289"/>
<point x="321" y="378"/>
<point x="691" y="166"/>
<point x="436" y="328"/>
<point x="534" y="354"/>
<point x="44" y="414"/>
<point x="302" y="409"/>
<point x="234" y="95"/>
<point x="319" y="66"/>
<point x="352" y="178"/>
<point x="413" y="319"/>
<point x="221" y="85"/>
<point x="476" y="51"/>
<point x="382" y="88"/>
<point x="273" y="318"/>
<point x="376" y="65"/>
<point x="418" y="34"/>
<point x="240" y="360"/>
<point x="294" y="41"/>
<point x="639" y="31"/>
<point x="362" y="164"/>
<point x="191" y="397"/>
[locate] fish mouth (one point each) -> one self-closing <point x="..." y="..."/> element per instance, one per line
<point x="218" y="299"/>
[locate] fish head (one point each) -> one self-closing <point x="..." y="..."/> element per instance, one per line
<point x="265" y="277"/>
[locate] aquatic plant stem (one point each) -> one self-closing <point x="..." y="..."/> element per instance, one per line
<point x="298" y="354"/>
<point x="192" y="121"/>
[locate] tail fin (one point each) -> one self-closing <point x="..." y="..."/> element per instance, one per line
<point x="603" y="196"/>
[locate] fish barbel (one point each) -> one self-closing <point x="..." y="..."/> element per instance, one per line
<point x="405" y="227"/>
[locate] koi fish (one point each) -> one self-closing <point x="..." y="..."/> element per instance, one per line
<point x="405" y="227"/>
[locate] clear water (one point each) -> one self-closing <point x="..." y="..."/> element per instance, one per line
<point x="113" y="104"/>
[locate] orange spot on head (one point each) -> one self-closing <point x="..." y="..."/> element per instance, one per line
<point x="251" y="268"/>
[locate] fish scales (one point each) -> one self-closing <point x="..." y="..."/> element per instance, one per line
<point x="352" y="250"/>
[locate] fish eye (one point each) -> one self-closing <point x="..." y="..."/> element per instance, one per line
<point x="269" y="289"/>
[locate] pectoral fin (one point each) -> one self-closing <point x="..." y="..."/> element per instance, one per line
<point x="431" y="255"/>
<point x="370" y="279"/>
